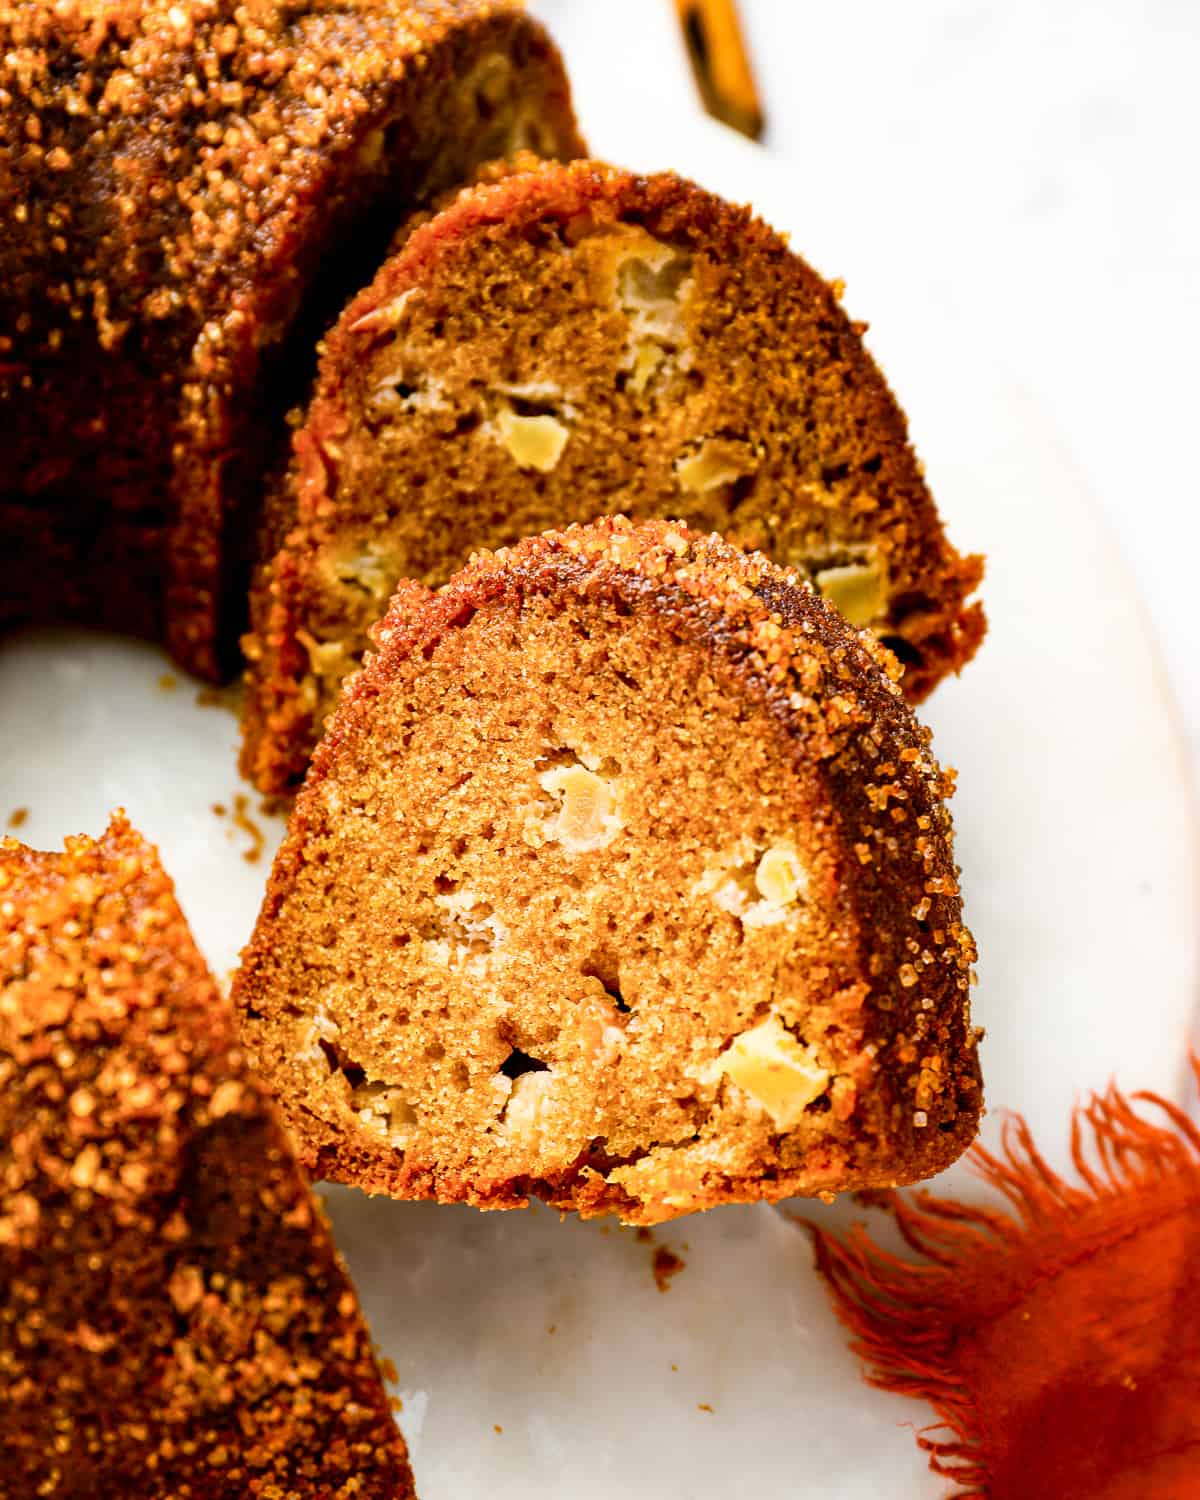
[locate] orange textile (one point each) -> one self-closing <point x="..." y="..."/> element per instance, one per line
<point x="1057" y="1339"/>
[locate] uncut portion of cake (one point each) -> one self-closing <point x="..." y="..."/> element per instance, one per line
<point x="174" y="1319"/>
<point x="622" y="878"/>
<point x="189" y="192"/>
<point x="566" y="342"/>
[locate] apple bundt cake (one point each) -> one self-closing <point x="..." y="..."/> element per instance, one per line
<point x="174" y="1319"/>
<point x="568" y="341"/>
<point x="189" y="191"/>
<point x="623" y="877"/>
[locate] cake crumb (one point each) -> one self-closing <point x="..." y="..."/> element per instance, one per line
<point x="168" y="682"/>
<point x="219" y="809"/>
<point x="17" y="817"/>
<point x="666" y="1265"/>
<point x="497" y="1427"/>
<point x="227" y="697"/>
<point x="387" y="1368"/>
<point x="872" y="1197"/>
<point x="243" y="820"/>
<point x="703" y="1406"/>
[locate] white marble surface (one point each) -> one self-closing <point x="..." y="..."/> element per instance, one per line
<point x="1030" y="170"/>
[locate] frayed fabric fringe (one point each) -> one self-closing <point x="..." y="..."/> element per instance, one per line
<point x="1057" y="1337"/>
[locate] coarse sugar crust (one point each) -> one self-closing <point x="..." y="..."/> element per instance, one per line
<point x="188" y="190"/>
<point x="840" y="458"/>
<point x="174" y="1319"/>
<point x="833" y="694"/>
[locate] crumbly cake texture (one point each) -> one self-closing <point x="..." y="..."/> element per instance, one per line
<point x="569" y="341"/>
<point x="622" y="878"/>
<point x="174" y="1320"/>
<point x="189" y="191"/>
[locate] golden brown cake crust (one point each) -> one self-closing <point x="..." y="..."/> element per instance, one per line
<point x="889" y="983"/>
<point x="174" y="1319"/>
<point x="188" y="191"/>
<point x="779" y="387"/>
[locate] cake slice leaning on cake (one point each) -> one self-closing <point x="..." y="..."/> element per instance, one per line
<point x="174" y="1319"/>
<point x="566" y="342"/>
<point x="622" y="878"/>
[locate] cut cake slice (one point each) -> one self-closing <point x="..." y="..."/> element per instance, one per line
<point x="622" y="878"/>
<point x="566" y="342"/>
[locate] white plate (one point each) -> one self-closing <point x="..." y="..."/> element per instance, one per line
<point x="537" y="1357"/>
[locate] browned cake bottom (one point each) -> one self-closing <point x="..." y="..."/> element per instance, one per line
<point x="174" y="1320"/>
<point x="623" y="878"/>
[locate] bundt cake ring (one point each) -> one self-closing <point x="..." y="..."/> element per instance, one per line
<point x="189" y="192"/>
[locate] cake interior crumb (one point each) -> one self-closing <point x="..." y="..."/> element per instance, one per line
<point x="562" y="1007"/>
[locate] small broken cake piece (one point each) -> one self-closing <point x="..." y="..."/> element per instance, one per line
<point x="623" y="878"/>
<point x="174" y="1318"/>
<point x="558" y="342"/>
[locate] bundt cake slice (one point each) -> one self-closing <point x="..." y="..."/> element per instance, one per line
<point x="190" y="190"/>
<point x="174" y="1319"/>
<point x="622" y="878"/>
<point x="566" y="342"/>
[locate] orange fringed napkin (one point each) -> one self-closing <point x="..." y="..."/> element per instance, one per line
<point x="1058" y="1341"/>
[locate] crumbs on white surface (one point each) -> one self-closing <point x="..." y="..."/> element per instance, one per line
<point x="243" y="820"/>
